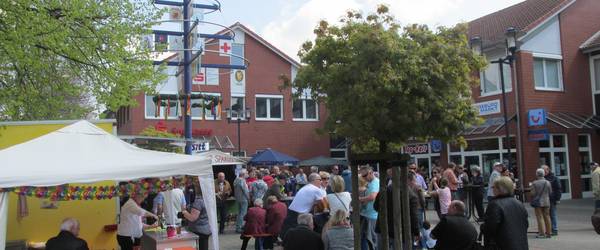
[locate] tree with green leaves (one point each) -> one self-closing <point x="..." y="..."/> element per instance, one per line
<point x="384" y="84"/>
<point x="59" y="59"/>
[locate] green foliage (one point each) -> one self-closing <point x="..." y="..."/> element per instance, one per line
<point x="384" y="83"/>
<point x="59" y="58"/>
<point x="159" y="145"/>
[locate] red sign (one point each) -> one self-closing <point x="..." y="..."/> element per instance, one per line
<point x="199" y="77"/>
<point x="416" y="149"/>
<point x="195" y="132"/>
<point x="225" y="47"/>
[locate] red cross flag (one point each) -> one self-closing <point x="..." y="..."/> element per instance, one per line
<point x="224" y="47"/>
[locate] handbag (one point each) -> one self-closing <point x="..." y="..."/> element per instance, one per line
<point x="536" y="201"/>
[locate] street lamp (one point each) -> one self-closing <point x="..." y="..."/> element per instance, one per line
<point x="511" y="47"/>
<point x="242" y="116"/>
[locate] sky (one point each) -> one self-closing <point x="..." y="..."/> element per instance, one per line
<point x="288" y="23"/>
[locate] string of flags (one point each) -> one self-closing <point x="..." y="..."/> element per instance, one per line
<point x="67" y="192"/>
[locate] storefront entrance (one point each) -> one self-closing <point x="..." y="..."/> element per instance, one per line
<point x="553" y="153"/>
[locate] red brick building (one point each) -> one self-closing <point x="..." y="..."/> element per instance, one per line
<point x="556" y="68"/>
<point x="276" y="121"/>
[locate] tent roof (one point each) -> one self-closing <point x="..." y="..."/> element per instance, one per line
<point x="321" y="161"/>
<point x="272" y="157"/>
<point x="84" y="153"/>
<point x="219" y="158"/>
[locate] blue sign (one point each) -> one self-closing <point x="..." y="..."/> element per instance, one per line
<point x="436" y="146"/>
<point x="538" y="134"/>
<point x="536" y="117"/>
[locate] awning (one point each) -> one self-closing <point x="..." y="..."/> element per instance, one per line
<point x="215" y="142"/>
<point x="489" y="126"/>
<point x="572" y="120"/>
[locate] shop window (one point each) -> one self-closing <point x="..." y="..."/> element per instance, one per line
<point x="544" y="144"/>
<point x="269" y="107"/>
<point x="558" y="141"/>
<point x="482" y="144"/>
<point x="456" y="159"/>
<point x="547" y="74"/>
<point x="488" y="162"/>
<point x="305" y="109"/>
<point x="454" y="147"/>
<point x="513" y="142"/>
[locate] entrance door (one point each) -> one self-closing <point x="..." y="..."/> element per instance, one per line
<point x="585" y="158"/>
<point x="554" y="154"/>
<point x="471" y="160"/>
<point x="423" y="162"/>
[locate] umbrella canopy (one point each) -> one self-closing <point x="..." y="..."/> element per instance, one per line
<point x="321" y="161"/>
<point x="272" y="157"/>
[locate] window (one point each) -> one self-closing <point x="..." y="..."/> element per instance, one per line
<point x="597" y="74"/>
<point x="202" y="109"/>
<point x="212" y="112"/>
<point x="269" y="107"/>
<point x="238" y="104"/>
<point x="547" y="74"/>
<point x="305" y="109"/>
<point x="490" y="79"/>
<point x="152" y="109"/>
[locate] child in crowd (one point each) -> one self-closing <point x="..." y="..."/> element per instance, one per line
<point x="444" y="196"/>
<point x="430" y="243"/>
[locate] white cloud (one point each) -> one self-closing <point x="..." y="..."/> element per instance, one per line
<point x="294" y="25"/>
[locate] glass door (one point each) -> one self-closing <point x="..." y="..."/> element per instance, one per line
<point x="554" y="154"/>
<point x="423" y="163"/>
<point x="585" y="156"/>
<point x="471" y="160"/>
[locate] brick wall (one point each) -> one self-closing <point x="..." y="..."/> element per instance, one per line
<point x="296" y="138"/>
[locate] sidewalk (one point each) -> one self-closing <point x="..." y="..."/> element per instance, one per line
<point x="575" y="230"/>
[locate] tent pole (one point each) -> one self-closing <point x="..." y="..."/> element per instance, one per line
<point x="3" y="218"/>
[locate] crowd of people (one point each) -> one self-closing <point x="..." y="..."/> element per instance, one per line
<point x="312" y="210"/>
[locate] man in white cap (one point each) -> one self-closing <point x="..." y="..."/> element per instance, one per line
<point x="493" y="177"/>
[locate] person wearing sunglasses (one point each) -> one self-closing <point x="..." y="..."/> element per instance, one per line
<point x="368" y="216"/>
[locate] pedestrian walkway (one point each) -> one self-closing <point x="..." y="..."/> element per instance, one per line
<point x="575" y="230"/>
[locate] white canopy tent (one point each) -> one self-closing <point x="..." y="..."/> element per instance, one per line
<point x="84" y="153"/>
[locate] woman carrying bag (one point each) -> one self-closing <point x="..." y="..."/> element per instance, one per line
<point x="197" y="218"/>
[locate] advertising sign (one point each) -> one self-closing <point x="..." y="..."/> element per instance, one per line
<point x="488" y="108"/>
<point x="436" y="146"/>
<point x="416" y="149"/>
<point x="536" y="117"/>
<point x="200" y="147"/>
<point x="537" y="134"/>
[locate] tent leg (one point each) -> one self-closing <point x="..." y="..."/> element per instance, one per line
<point x="3" y="218"/>
<point x="207" y="184"/>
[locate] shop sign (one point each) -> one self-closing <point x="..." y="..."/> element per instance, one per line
<point x="416" y="149"/>
<point x="436" y="146"/>
<point x="195" y="132"/>
<point x="488" y="108"/>
<point x="200" y="147"/>
<point x="538" y="134"/>
<point x="536" y="117"/>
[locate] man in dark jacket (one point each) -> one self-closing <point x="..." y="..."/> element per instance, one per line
<point x="413" y="205"/>
<point x="302" y="236"/>
<point x="454" y="230"/>
<point x="506" y="222"/>
<point x="67" y="238"/>
<point x="554" y="196"/>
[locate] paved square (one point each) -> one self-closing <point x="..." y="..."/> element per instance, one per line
<point x="574" y="228"/>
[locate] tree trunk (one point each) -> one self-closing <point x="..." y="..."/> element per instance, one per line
<point x="396" y="186"/>
<point x="382" y="214"/>
<point x="355" y="203"/>
<point x="406" y="232"/>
